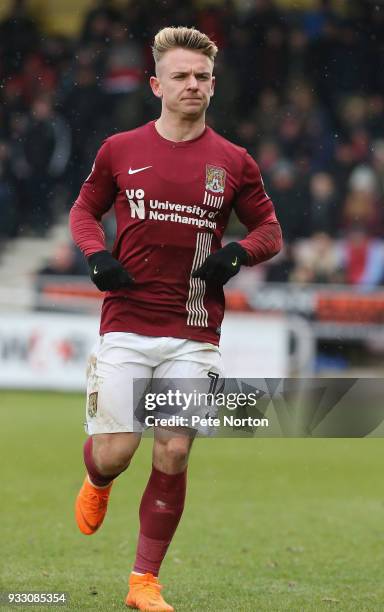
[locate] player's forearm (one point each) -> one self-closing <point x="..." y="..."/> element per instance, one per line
<point x="262" y="243"/>
<point x="86" y="229"/>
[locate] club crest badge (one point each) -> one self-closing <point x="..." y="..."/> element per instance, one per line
<point x="92" y="404"/>
<point x="215" y="179"/>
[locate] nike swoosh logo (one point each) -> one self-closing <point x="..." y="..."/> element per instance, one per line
<point x="92" y="528"/>
<point x="130" y="171"/>
<point x="234" y="262"/>
<point x="95" y="270"/>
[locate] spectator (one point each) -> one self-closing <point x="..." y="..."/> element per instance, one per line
<point x="290" y="198"/>
<point x="315" y="148"/>
<point x="19" y="36"/>
<point x="280" y="268"/>
<point x="317" y="260"/>
<point x="66" y="261"/>
<point x="297" y="61"/>
<point x="378" y="165"/>
<point x="8" y="218"/>
<point x="363" y="259"/>
<point x="83" y="106"/>
<point x="45" y="149"/>
<point x="98" y="22"/>
<point x="124" y="72"/>
<point x="266" y="114"/>
<point x="375" y="113"/>
<point x="268" y="154"/>
<point x="323" y="204"/>
<point x="362" y="207"/>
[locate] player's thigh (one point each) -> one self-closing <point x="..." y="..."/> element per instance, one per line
<point x="196" y="371"/>
<point x="197" y="375"/>
<point x="196" y="363"/>
<point x="117" y="378"/>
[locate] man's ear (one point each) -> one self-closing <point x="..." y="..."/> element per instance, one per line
<point x="213" y="86"/>
<point x="155" y="86"/>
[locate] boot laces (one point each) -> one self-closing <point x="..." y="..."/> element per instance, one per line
<point x="150" y="587"/>
<point x="96" y="502"/>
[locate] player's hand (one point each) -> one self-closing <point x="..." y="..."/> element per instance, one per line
<point x="107" y="273"/>
<point x="219" y="267"/>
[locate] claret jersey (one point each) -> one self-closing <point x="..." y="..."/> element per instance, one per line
<point x="172" y="203"/>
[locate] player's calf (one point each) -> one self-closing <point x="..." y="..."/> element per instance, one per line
<point x="108" y="455"/>
<point x="105" y="458"/>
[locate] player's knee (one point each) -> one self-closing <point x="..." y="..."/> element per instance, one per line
<point x="112" y="455"/>
<point x="176" y="452"/>
<point x="110" y="463"/>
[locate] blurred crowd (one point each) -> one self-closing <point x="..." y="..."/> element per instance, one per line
<point x="302" y="90"/>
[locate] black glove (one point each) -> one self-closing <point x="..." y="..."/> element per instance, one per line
<point x="221" y="266"/>
<point x="107" y="273"/>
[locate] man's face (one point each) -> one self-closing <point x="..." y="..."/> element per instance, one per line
<point x="184" y="82"/>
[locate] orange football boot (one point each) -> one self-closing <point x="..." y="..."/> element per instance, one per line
<point x="144" y="594"/>
<point x="91" y="507"/>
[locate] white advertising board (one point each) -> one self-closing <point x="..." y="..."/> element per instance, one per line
<point x="45" y="351"/>
<point x="254" y="346"/>
<point x="50" y="351"/>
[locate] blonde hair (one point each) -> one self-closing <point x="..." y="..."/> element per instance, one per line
<point x="187" y="38"/>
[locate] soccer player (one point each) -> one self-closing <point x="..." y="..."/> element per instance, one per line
<point x="173" y="183"/>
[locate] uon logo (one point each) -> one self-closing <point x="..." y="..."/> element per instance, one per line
<point x="136" y="202"/>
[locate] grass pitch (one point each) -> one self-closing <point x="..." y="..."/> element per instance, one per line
<point x="270" y="524"/>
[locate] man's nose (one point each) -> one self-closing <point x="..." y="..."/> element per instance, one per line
<point x="192" y="82"/>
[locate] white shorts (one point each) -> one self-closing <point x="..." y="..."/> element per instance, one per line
<point x="119" y="358"/>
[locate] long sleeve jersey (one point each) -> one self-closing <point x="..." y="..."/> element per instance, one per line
<point x="172" y="203"/>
